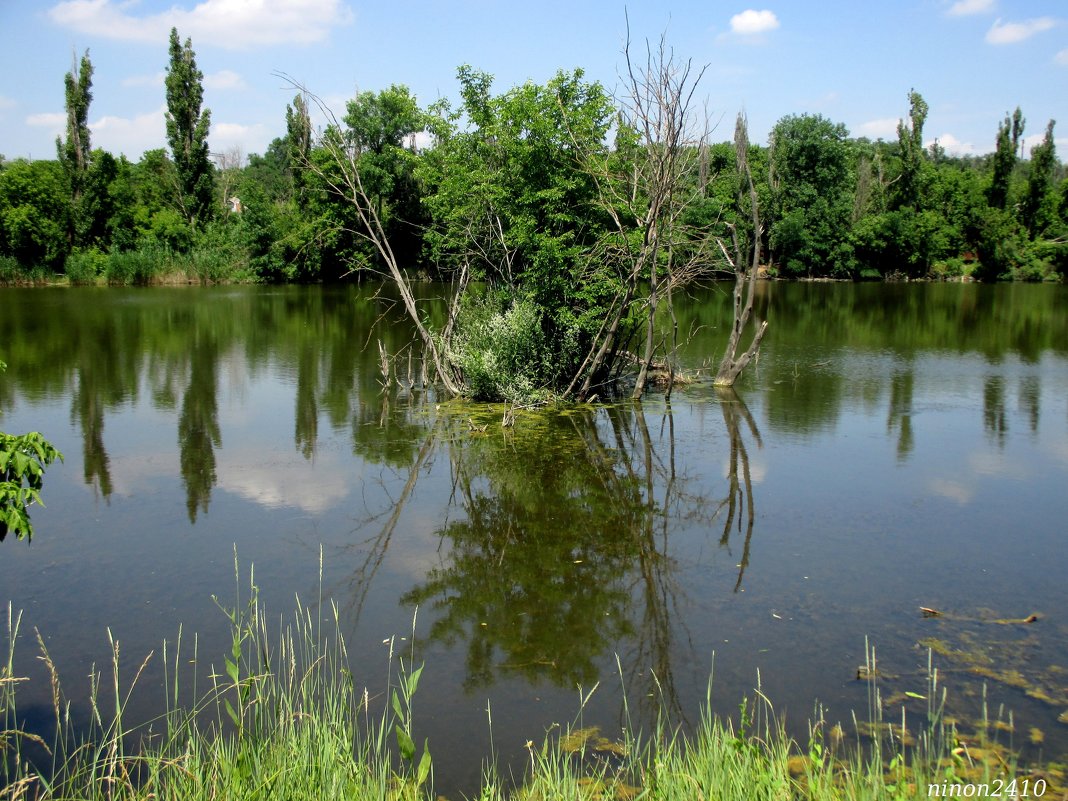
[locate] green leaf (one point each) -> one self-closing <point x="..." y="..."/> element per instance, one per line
<point x="423" y="771"/>
<point x="404" y="742"/>
<point x="397" y="705"/>
<point x="230" y="711"/>
<point x="231" y="670"/>
<point x="413" y="680"/>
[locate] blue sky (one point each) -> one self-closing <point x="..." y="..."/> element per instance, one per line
<point x="853" y="62"/>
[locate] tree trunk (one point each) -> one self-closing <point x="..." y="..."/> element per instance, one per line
<point x="732" y="365"/>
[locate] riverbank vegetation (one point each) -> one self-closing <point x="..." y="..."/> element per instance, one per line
<point x="284" y="717"/>
<point x="835" y="205"/>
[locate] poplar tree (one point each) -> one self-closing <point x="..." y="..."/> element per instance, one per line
<point x="1037" y="204"/>
<point x="298" y="134"/>
<point x="1008" y="142"/>
<point x="910" y="143"/>
<point x="187" y="131"/>
<point x="74" y="152"/>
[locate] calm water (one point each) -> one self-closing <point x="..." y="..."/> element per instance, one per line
<point x="894" y="447"/>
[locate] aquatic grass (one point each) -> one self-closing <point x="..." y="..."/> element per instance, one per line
<point x="282" y="716"/>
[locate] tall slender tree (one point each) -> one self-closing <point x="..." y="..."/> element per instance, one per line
<point x="1038" y="203"/>
<point x="910" y="143"/>
<point x="74" y="152"/>
<point x="187" y="131"/>
<point x="1008" y="143"/>
<point x="298" y="136"/>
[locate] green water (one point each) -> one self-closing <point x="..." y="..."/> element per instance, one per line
<point x="894" y="446"/>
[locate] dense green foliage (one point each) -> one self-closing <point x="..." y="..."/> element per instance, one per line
<point x="514" y="189"/>
<point x="511" y="206"/>
<point x="812" y="195"/>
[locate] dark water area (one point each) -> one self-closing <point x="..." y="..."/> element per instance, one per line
<point x="895" y="446"/>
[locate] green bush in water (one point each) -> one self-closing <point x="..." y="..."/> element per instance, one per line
<point x="501" y="349"/>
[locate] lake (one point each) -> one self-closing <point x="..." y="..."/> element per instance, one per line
<point x="895" y="446"/>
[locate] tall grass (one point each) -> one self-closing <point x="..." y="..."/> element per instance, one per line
<point x="12" y="273"/>
<point x="284" y="718"/>
<point x="152" y="263"/>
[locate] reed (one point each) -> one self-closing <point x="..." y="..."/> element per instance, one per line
<point x="284" y="718"/>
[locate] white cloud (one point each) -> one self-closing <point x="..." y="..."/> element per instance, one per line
<point x="1062" y="58"/>
<point x="1029" y="142"/>
<point x="7" y="102"/>
<point x="54" y="123"/>
<point x="131" y="136"/>
<point x="884" y="128"/>
<point x="1012" y="32"/>
<point x="227" y="136"/>
<point x="1060" y="144"/>
<point x="224" y="79"/>
<point x="231" y="24"/>
<point x="145" y="80"/>
<point x="965" y="8"/>
<point x="423" y="140"/>
<point x="953" y="146"/>
<point x="750" y="22"/>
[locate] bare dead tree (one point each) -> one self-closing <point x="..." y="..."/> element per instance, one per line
<point x="745" y="269"/>
<point x="228" y="166"/>
<point x="346" y="181"/>
<point x="647" y="184"/>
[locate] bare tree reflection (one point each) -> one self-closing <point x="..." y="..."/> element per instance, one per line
<point x="739" y="498"/>
<point x="375" y="548"/>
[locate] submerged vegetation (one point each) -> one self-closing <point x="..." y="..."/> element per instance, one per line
<point x="284" y="717"/>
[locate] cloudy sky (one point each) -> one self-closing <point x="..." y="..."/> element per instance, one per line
<point x="854" y="62"/>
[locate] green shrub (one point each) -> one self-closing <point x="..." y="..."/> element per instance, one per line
<point x="949" y="268"/>
<point x="137" y="266"/>
<point x="86" y="266"/>
<point x="501" y="349"/>
<point x="10" y="270"/>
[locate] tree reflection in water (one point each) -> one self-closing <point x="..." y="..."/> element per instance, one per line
<point x="557" y="541"/>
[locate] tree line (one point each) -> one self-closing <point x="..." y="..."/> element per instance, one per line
<point x="834" y="206"/>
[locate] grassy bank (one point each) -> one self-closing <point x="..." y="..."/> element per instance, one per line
<point x="284" y="718"/>
<point x="148" y="265"/>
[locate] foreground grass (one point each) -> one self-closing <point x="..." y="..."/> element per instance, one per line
<point x="284" y="719"/>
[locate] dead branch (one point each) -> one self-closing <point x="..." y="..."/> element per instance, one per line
<point x="731" y="366"/>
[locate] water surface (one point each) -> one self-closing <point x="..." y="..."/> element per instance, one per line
<point x="895" y="446"/>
